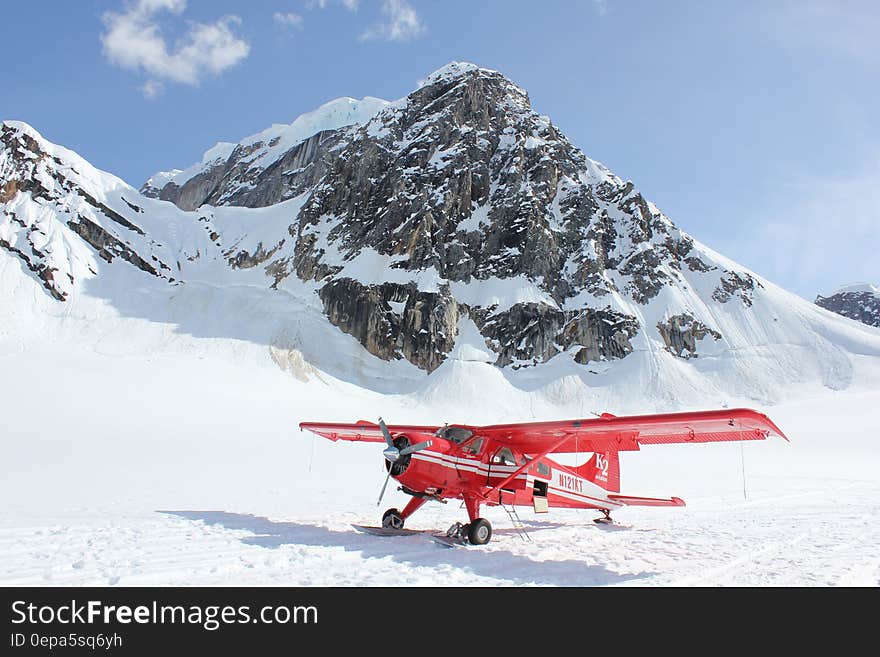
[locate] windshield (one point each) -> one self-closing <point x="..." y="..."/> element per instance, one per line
<point x="456" y="434"/>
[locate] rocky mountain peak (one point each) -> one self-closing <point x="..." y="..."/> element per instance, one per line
<point x="859" y="301"/>
<point x="453" y="70"/>
<point x="461" y="199"/>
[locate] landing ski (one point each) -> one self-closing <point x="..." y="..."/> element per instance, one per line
<point x="442" y="539"/>
<point x="611" y="525"/>
<point x="387" y="531"/>
<point x="449" y="541"/>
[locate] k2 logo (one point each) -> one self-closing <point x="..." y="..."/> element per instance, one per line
<point x="602" y="465"/>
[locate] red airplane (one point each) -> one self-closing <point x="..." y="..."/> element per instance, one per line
<point x="508" y="464"/>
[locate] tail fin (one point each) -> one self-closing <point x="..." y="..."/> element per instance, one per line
<point x="603" y="469"/>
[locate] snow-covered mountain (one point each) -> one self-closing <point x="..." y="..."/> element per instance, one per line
<point x="60" y="214"/>
<point x="254" y="171"/>
<point x="859" y="301"/>
<point x="454" y="232"/>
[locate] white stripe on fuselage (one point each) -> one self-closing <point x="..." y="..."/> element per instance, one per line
<point x="456" y="461"/>
<point x="576" y="490"/>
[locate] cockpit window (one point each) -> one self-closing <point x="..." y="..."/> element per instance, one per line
<point x="504" y="456"/>
<point x="473" y="447"/>
<point x="456" y="434"/>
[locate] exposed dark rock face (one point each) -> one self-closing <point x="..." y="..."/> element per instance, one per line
<point x="862" y="305"/>
<point x="533" y="333"/>
<point x="399" y="321"/>
<point x="108" y="246"/>
<point x="681" y="332"/>
<point x="36" y="263"/>
<point x="394" y="321"/>
<point x="736" y="283"/>
<point x="8" y="191"/>
<point x="242" y="259"/>
<point x="235" y="182"/>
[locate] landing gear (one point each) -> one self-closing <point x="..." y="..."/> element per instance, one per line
<point x="479" y="532"/>
<point x="392" y="519"/>
<point x="606" y="520"/>
<point x="457" y="532"/>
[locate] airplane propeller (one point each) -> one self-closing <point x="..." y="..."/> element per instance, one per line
<point x="396" y="456"/>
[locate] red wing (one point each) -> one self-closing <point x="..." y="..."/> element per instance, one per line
<point x="366" y="431"/>
<point x="629" y="432"/>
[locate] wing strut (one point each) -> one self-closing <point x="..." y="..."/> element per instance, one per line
<point x="525" y="465"/>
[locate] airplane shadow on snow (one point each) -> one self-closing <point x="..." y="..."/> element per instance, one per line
<point x="415" y="549"/>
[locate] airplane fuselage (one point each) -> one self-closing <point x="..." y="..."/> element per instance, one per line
<point x="495" y="474"/>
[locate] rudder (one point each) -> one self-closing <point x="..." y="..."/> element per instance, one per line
<point x="603" y="469"/>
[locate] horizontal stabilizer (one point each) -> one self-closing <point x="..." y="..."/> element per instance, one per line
<point x="647" y="501"/>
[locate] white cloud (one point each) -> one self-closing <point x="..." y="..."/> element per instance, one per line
<point x="289" y="19"/>
<point x="600" y="7"/>
<point x="351" y="5"/>
<point x="133" y="40"/>
<point x="401" y="23"/>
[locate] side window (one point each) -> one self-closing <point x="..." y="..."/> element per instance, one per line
<point x="504" y="456"/>
<point x="473" y="447"/>
<point x="543" y="469"/>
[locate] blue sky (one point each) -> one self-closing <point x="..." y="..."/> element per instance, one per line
<point x="753" y="125"/>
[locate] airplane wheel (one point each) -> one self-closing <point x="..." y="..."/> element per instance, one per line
<point x="392" y="519"/>
<point x="479" y="532"/>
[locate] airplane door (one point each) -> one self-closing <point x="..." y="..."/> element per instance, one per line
<point x="469" y="464"/>
<point x="539" y="497"/>
<point x="501" y="465"/>
<point x="540" y="486"/>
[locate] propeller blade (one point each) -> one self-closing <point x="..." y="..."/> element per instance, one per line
<point x="416" y="448"/>
<point x="382" y="494"/>
<point x="388" y="440"/>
